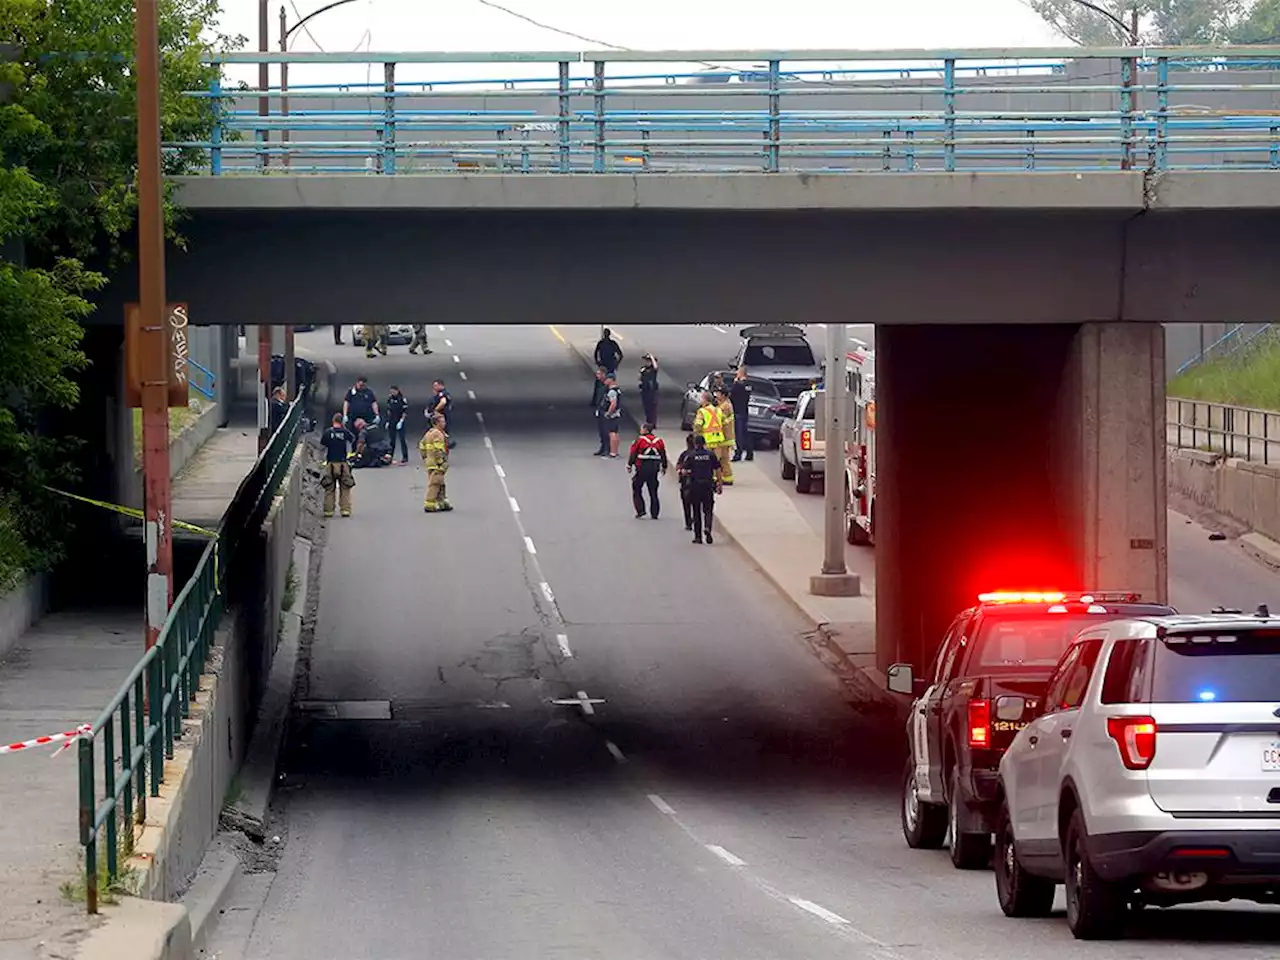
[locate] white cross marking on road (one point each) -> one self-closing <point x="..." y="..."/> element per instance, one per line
<point x="581" y="700"/>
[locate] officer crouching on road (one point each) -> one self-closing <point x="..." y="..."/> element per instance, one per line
<point x="648" y="457"/>
<point x="703" y="468"/>
<point x="337" y="478"/>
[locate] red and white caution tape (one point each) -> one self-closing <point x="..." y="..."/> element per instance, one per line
<point x="66" y="739"/>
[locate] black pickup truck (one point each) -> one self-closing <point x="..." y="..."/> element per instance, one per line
<point x="985" y="684"/>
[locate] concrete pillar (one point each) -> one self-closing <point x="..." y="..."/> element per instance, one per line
<point x="1013" y="457"/>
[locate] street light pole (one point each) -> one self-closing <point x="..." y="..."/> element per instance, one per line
<point x="157" y="484"/>
<point x="835" y="579"/>
<point x="264" y="330"/>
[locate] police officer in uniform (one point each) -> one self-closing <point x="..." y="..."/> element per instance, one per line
<point x="703" y="467"/>
<point x="649" y="388"/>
<point x="397" y="405"/>
<point x="648" y="458"/>
<point x="682" y="472"/>
<point x="360" y="403"/>
<point x="337" y="478"/>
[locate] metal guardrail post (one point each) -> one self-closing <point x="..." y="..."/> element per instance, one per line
<point x="1030" y="162"/>
<point x="597" y="86"/>
<point x="524" y="151"/>
<point x="389" y="119"/>
<point x="88" y="835"/>
<point x="775" y="120"/>
<point x="949" y="112"/>
<point x="1162" y="113"/>
<point x="909" y="152"/>
<point x="563" y="123"/>
<point x="886" y="152"/>
<point x="645" y="134"/>
<point x="1126" y="113"/>
<point x="215" y="135"/>
<point x="109" y="785"/>
<point x="155" y="709"/>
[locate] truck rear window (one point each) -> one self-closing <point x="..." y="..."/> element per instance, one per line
<point x="1016" y="643"/>
<point x="780" y="354"/>
<point x="1220" y="667"/>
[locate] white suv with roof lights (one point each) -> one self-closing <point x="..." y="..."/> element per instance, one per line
<point x="1152" y="775"/>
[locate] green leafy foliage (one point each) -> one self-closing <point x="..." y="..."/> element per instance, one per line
<point x="1166" y="22"/>
<point x="68" y="158"/>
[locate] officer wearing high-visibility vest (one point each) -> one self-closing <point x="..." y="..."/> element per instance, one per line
<point x="708" y="422"/>
<point x="724" y="449"/>
<point x="434" y="447"/>
<point x="648" y="457"/>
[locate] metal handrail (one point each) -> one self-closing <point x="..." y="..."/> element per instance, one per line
<point x="145" y="716"/>
<point x="1248" y="433"/>
<point x="1136" y="121"/>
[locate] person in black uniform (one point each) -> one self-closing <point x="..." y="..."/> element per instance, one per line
<point x="337" y="478"/>
<point x="648" y="457"/>
<point x="740" y="397"/>
<point x="608" y="353"/>
<point x="649" y="388"/>
<point x="442" y="403"/>
<point x="704" y="483"/>
<point x="360" y="403"/>
<point x="397" y="406"/>
<point x="682" y="473"/>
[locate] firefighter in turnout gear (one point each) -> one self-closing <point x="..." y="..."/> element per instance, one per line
<point x="419" y="339"/>
<point x="709" y="425"/>
<point x="434" y="447"/>
<point x="375" y="338"/>
<point x="724" y="449"/>
<point x="648" y="458"/>
<point x="337" y="478"/>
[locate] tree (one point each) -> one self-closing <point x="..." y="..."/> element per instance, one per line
<point x="1163" y="22"/>
<point x="67" y="170"/>
<point x="1260" y="25"/>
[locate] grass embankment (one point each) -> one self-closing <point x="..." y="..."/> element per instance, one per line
<point x="179" y="419"/>
<point x="1251" y="379"/>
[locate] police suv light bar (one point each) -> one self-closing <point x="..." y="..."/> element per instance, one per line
<point x="1057" y="596"/>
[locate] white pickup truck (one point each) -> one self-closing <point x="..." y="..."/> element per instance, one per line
<point x="802" y="453"/>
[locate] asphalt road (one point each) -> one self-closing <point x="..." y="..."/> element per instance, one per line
<point x="707" y="791"/>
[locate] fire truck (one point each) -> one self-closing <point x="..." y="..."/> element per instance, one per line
<point x="860" y="453"/>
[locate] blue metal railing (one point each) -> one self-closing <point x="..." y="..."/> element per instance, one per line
<point x="760" y="111"/>
<point x="208" y="387"/>
<point x="1236" y="338"/>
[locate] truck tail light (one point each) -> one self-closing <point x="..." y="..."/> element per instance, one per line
<point x="979" y="724"/>
<point x="806" y="439"/>
<point x="1136" y="738"/>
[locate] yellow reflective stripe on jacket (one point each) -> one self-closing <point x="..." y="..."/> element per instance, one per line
<point x="709" y="425"/>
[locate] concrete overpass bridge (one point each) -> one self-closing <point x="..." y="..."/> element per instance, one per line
<point x="1018" y="242"/>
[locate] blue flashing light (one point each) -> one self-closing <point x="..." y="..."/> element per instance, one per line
<point x="1208" y="695"/>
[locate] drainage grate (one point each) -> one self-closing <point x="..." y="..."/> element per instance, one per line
<point x="346" y="709"/>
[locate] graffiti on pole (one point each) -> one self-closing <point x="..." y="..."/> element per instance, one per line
<point x="141" y="343"/>
<point x="178" y="343"/>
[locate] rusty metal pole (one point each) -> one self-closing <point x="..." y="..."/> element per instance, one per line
<point x="158" y="490"/>
<point x="264" y="385"/>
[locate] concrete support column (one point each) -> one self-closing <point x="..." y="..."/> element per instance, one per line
<point x="1013" y="457"/>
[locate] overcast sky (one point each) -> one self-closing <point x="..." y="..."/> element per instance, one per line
<point x="401" y="25"/>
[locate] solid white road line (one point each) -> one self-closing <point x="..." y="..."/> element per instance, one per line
<point x="471" y="394"/>
<point x="818" y="911"/>
<point x="661" y="804"/>
<point x="613" y="749"/>
<point x="502" y="474"/>
<point x="528" y="545"/>
<point x="515" y="507"/>
<point x="726" y="856"/>
<point x="563" y="642"/>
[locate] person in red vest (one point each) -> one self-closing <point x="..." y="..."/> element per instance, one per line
<point x="646" y="462"/>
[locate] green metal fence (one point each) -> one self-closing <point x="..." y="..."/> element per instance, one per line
<point x="136" y="731"/>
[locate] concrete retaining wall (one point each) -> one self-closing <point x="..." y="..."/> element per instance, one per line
<point x="20" y="608"/>
<point x="1246" y="492"/>
<point x="182" y="821"/>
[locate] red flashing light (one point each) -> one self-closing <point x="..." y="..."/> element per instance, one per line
<point x="979" y="724"/>
<point x="1022" y="596"/>
<point x="1136" y="739"/>
<point x="806" y="439"/>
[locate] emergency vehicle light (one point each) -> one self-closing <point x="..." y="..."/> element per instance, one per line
<point x="1018" y="596"/>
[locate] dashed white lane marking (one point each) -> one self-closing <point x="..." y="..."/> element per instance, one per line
<point x="441" y="326"/>
<point x="583" y="699"/>
<point x="456" y="358"/>
<point x="480" y="417"/>
<point x="614" y="751"/>
<point x="718" y="329"/>
<point x="822" y="326"/>
<point x="448" y="343"/>
<point x="471" y="394"/>
<point x="462" y="374"/>
<point x="488" y="443"/>
<point x="726" y="856"/>
<point x="515" y="507"/>
<point x="662" y="805"/>
<point x="818" y="911"/>
<point x="563" y="642"/>
<point x="528" y="545"/>
<point x="546" y="592"/>
<point x="502" y="474"/>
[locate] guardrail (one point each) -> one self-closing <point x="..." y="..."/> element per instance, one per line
<point x="758" y="111"/>
<point x="137" y="729"/>
<point x="1245" y="432"/>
